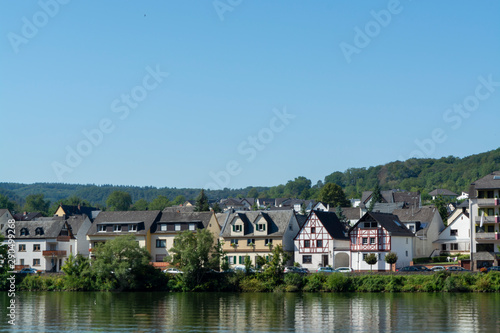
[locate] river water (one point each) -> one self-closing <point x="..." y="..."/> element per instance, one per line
<point x="252" y="312"/>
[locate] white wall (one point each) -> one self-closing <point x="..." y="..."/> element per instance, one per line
<point x="402" y="246"/>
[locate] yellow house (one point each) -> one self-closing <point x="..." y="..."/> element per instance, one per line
<point x="255" y="234"/>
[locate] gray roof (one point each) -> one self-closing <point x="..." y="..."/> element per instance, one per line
<point x="27" y="216"/>
<point x="440" y="191"/>
<point x="424" y="214"/>
<point x="488" y="182"/>
<point x="331" y="223"/>
<point x="301" y="220"/>
<point x="387" y="207"/>
<point x="389" y="222"/>
<point x="175" y="217"/>
<point x="180" y="209"/>
<point x="3" y="211"/>
<point x="147" y="217"/>
<point x="277" y="221"/>
<point x="352" y="213"/>
<point x="221" y="218"/>
<point x="51" y="227"/>
<point x="75" y="222"/>
<point x="393" y="196"/>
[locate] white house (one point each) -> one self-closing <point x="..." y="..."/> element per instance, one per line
<point x="380" y="233"/>
<point x="322" y="241"/>
<point x="455" y="238"/>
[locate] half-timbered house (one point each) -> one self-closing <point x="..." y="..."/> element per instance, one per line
<point x="322" y="241"/>
<point x="380" y="233"/>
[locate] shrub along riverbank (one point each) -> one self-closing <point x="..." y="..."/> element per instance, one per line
<point x="290" y="282"/>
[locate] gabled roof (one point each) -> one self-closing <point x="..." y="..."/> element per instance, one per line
<point x="352" y="213"/>
<point x="301" y="220"/>
<point x="78" y="210"/>
<point x="440" y="191"/>
<point x="27" y="216"/>
<point x="491" y="181"/>
<point x="146" y="216"/>
<point x="330" y="221"/>
<point x="179" y="209"/>
<point x="424" y="214"/>
<point x="393" y="196"/>
<point x="277" y="222"/>
<point x="175" y="217"/>
<point x="389" y="222"/>
<point x="76" y="222"/>
<point x="388" y="208"/>
<point x="3" y="211"/>
<point x="51" y="227"/>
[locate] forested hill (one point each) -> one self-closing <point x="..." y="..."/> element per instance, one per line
<point x="422" y="175"/>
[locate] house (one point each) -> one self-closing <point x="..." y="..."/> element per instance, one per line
<point x="5" y="216"/>
<point x="455" y="238"/>
<point x="179" y="209"/>
<point x="266" y="202"/>
<point x="69" y="210"/>
<point x="446" y="194"/>
<point x="26" y="216"/>
<point x="352" y="214"/>
<point x="459" y="209"/>
<point x="463" y="196"/>
<point x="255" y="234"/>
<point x="408" y="199"/>
<point x="235" y="204"/>
<point x="484" y="208"/>
<point x="426" y="224"/>
<point x="380" y="233"/>
<point x="169" y="224"/>
<point x="44" y="243"/>
<point x="322" y="241"/>
<point x="109" y="225"/>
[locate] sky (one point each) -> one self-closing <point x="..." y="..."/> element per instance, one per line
<point x="237" y="93"/>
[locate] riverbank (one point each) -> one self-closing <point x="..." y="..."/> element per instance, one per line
<point x="291" y="282"/>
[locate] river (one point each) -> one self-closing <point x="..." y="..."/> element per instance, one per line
<point x="252" y="312"/>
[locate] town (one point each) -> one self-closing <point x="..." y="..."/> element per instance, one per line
<point x="312" y="233"/>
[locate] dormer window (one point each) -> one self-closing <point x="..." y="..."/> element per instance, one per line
<point x="24" y="232"/>
<point x="101" y="228"/>
<point x="39" y="231"/>
<point x="192" y="226"/>
<point x="237" y="228"/>
<point x="132" y="227"/>
<point x="117" y="228"/>
<point x="261" y="227"/>
<point x="163" y="227"/>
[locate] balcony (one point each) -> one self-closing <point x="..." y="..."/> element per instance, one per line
<point x="54" y="253"/>
<point x="488" y="219"/>
<point x="488" y="202"/>
<point x="487" y="236"/>
<point x="63" y="238"/>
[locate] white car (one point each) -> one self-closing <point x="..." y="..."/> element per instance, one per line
<point x="438" y="268"/>
<point x="172" y="271"/>
<point x="344" y="270"/>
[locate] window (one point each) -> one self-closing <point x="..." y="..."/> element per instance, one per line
<point x="234" y="242"/>
<point x="319" y="243"/>
<point x="21" y="262"/>
<point x="453" y="232"/>
<point x="36" y="262"/>
<point x="163" y="227"/>
<point x="192" y="226"/>
<point x="412" y="228"/>
<point x="407" y="253"/>
<point x="24" y="232"/>
<point x="491" y="228"/>
<point x="365" y="255"/>
<point x="251" y="241"/>
<point x="490" y="194"/>
<point x="161" y="243"/>
<point x="307" y="259"/>
<point x="160" y="257"/>
<point x="39" y="231"/>
<point x="231" y="260"/>
<point x="132" y="227"/>
<point x="36" y="247"/>
<point x="237" y="228"/>
<point x="290" y="227"/>
<point x="269" y="242"/>
<point x="443" y="247"/>
<point x="372" y="240"/>
<point x="454" y="246"/>
<point x="177" y="227"/>
<point x="490" y="212"/>
<point x="22" y="247"/>
<point x="261" y="227"/>
<point x="313" y="230"/>
<point x="364" y="241"/>
<point x="370" y="224"/>
<point x="307" y="243"/>
<point x="101" y="228"/>
<point x="117" y="227"/>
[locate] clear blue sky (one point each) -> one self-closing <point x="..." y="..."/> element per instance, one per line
<point x="360" y="84"/>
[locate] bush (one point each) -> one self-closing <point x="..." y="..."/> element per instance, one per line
<point x="440" y="258"/>
<point x="294" y="279"/>
<point x="422" y="260"/>
<point x="252" y="284"/>
<point x="372" y="283"/>
<point x="315" y="282"/>
<point x="338" y="282"/>
<point x="395" y="283"/>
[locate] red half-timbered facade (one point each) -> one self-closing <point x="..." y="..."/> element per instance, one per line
<point x="313" y="237"/>
<point x="372" y="238"/>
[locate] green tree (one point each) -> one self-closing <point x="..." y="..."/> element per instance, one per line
<point x="140" y="204"/>
<point x="121" y="263"/>
<point x="333" y="195"/>
<point x="340" y="214"/>
<point x="36" y="203"/>
<point x="253" y="193"/>
<point x="248" y="265"/>
<point x="179" y="200"/>
<point x="79" y="275"/>
<point x="191" y="252"/>
<point x="276" y="265"/>
<point x="5" y="203"/>
<point x="371" y="259"/>
<point x="216" y="208"/>
<point x="202" y="202"/>
<point x="119" y="201"/>
<point x="296" y="187"/>
<point x="440" y="204"/>
<point x="159" y="203"/>
<point x="376" y="197"/>
<point x="391" y="258"/>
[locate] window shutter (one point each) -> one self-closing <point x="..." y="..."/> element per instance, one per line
<point x="264" y="227"/>
<point x="240" y="259"/>
<point x="234" y="227"/>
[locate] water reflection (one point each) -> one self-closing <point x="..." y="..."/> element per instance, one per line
<point x="275" y="312"/>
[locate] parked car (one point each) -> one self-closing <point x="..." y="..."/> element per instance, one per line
<point x="456" y="269"/>
<point x="422" y="268"/>
<point x="407" y="269"/>
<point x="344" y="270"/>
<point x="27" y="270"/>
<point x="293" y="269"/>
<point x="173" y="271"/>
<point x="305" y="270"/>
<point x="494" y="268"/>
<point x="438" y="268"/>
<point x="325" y="270"/>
